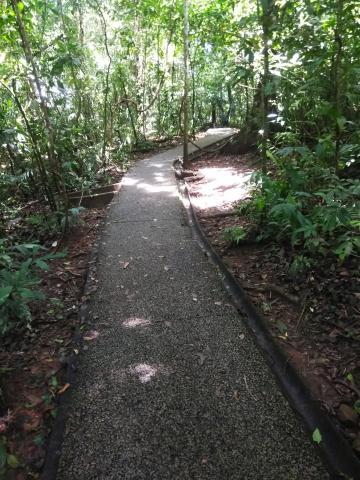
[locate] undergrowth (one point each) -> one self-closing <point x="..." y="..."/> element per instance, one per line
<point x="305" y="205"/>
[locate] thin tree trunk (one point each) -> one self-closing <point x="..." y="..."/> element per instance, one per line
<point x="75" y="79"/>
<point x="38" y="158"/>
<point x="130" y="112"/>
<point x="264" y="102"/>
<point x="338" y="80"/>
<point x="11" y="159"/>
<point x="186" y="102"/>
<point x="158" y="123"/>
<point x="37" y="91"/>
<point x="106" y="96"/>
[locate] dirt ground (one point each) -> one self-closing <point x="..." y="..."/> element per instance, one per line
<point x="314" y="317"/>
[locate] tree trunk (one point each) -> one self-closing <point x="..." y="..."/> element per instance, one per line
<point x="106" y="96"/>
<point x="337" y="75"/>
<point x="186" y="88"/>
<point x="37" y="91"/>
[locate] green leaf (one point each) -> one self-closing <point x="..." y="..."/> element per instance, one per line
<point x="12" y="461"/>
<point x="42" y="265"/>
<point x="54" y="382"/>
<point x="316" y="436"/>
<point x="39" y="440"/>
<point x="5" y="293"/>
<point x="341" y="122"/>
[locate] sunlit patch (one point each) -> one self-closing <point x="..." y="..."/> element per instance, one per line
<point x="127" y="181"/>
<point x="160" y="178"/>
<point x="134" y="322"/>
<point x="144" y="372"/>
<point x="221" y="187"/>
<point x="156" y="165"/>
<point x="157" y="189"/>
<point x="220" y="131"/>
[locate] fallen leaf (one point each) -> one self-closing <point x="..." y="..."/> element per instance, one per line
<point x="316" y="436"/>
<point x="64" y="388"/>
<point x="92" y="335"/>
<point x="201" y="358"/>
<point x="12" y="461"/>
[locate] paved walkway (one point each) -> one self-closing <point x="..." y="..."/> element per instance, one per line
<point x="174" y="387"/>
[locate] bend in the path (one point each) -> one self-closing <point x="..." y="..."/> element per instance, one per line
<point x="174" y="386"/>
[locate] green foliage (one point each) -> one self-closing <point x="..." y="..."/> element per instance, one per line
<point x="307" y="205"/>
<point x="19" y="282"/>
<point x="7" y="460"/>
<point x="316" y="436"/>
<point x="234" y="234"/>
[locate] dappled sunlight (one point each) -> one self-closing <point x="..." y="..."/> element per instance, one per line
<point x="221" y="187"/>
<point x="128" y="181"/>
<point x="134" y="322"/>
<point x="159" y="177"/>
<point x="144" y="371"/>
<point x="220" y="131"/>
<point x="154" y="165"/>
<point x="151" y="188"/>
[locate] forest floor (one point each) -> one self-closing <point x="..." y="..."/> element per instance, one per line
<point x="33" y="361"/>
<point x="314" y="318"/>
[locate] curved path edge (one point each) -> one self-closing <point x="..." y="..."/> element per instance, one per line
<point x="334" y="449"/>
<point x="56" y="436"/>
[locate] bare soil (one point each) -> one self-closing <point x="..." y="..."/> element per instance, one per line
<point x="314" y="317"/>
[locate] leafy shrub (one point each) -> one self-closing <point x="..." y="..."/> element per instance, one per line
<point x="307" y="205"/>
<point x="19" y="282"/>
<point x="234" y="234"/>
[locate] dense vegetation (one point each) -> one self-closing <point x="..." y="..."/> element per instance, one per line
<point x="83" y="83"/>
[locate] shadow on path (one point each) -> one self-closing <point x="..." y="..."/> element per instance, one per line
<point x="173" y="386"/>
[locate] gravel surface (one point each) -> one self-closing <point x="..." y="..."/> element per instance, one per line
<point x="174" y="386"/>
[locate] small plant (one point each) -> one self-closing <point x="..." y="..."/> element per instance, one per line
<point x="72" y="217"/>
<point x="19" y="282"/>
<point x="316" y="436"/>
<point x="234" y="235"/>
<point x="299" y="264"/>
<point x="7" y="460"/>
<point x="307" y="205"/>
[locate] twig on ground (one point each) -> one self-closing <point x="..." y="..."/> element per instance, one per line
<point x="248" y="389"/>
<point x="273" y="289"/>
<point x="347" y="385"/>
<point x="301" y="316"/>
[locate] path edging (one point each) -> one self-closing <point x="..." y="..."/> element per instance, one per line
<point x="335" y="451"/>
<point x="56" y="436"/>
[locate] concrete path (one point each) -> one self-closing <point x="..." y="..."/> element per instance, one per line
<point x="174" y="386"/>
